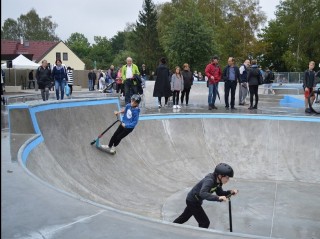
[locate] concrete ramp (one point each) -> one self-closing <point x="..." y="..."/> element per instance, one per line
<point x="275" y="159"/>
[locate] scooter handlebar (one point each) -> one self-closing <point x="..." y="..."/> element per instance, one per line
<point x="228" y="196"/>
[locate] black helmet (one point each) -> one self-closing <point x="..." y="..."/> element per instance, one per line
<point x="224" y="169"/>
<point x="136" y="98"/>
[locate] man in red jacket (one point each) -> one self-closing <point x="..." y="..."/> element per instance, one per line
<point x="213" y="72"/>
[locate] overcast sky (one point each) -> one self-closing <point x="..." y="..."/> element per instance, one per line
<point x="91" y="18"/>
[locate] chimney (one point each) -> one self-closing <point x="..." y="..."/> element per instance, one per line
<point x="21" y="40"/>
<point x="26" y="43"/>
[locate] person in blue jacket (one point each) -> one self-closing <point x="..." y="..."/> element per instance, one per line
<point x="129" y="121"/>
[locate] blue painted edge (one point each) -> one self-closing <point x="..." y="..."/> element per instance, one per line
<point x="230" y="116"/>
<point x="29" y="147"/>
<point x="51" y="106"/>
<point x="290" y="101"/>
<point x="38" y="108"/>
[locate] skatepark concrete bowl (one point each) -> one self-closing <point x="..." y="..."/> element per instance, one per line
<point x="275" y="159"/>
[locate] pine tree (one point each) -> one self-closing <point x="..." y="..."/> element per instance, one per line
<point x="145" y="36"/>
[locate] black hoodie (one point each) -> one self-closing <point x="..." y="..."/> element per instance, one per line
<point x="204" y="189"/>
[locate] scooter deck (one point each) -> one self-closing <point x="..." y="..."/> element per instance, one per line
<point x="105" y="150"/>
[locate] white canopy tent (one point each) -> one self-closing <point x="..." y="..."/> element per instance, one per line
<point x="21" y="62"/>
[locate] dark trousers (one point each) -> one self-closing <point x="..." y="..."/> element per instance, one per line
<point x="120" y="133"/>
<point x="254" y="92"/>
<point x="230" y="85"/>
<point x="120" y="88"/>
<point x="185" y="92"/>
<point x="129" y="90"/>
<point x="33" y="83"/>
<point x="196" y="210"/>
<point x="175" y="97"/>
<point x="165" y="100"/>
<point x="70" y="89"/>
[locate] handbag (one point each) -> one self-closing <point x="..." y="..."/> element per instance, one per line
<point x="67" y="90"/>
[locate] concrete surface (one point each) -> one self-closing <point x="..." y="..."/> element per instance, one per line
<point x="72" y="190"/>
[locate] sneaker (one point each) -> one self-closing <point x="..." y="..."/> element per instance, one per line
<point x="113" y="149"/>
<point x="174" y="107"/>
<point x="209" y="107"/>
<point x="178" y="106"/>
<point x="159" y="106"/>
<point x="214" y="107"/>
<point x="255" y="107"/>
<point x="104" y="146"/>
<point x="308" y="110"/>
<point x="233" y="108"/>
<point x="250" y="108"/>
<point x="227" y="107"/>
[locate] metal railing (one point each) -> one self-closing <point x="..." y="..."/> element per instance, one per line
<point x="288" y="77"/>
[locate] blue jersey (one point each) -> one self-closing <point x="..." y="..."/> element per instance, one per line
<point x="131" y="116"/>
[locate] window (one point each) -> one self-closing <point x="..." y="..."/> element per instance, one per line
<point x="58" y="55"/>
<point x="65" y="56"/>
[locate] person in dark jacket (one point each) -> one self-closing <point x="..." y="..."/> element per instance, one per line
<point x="162" y="86"/>
<point x="309" y="82"/>
<point x="31" y="80"/>
<point x="231" y="76"/>
<point x="144" y="75"/>
<point x="90" y="80"/>
<point x="187" y="83"/>
<point x="43" y="76"/>
<point x="204" y="190"/>
<point x="59" y="74"/>
<point x="253" y="80"/>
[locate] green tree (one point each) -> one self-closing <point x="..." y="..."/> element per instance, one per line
<point x="118" y="42"/>
<point x="31" y="27"/>
<point x="79" y="44"/>
<point x="145" y="36"/>
<point x="122" y="47"/>
<point x="101" y="52"/>
<point x="293" y="38"/>
<point x="10" y="30"/>
<point x="236" y="33"/>
<point x="185" y="35"/>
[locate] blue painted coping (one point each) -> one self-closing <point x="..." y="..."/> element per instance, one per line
<point x="290" y="101"/>
<point x="34" y="109"/>
<point x="50" y="106"/>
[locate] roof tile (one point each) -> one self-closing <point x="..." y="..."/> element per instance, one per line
<point x="37" y="48"/>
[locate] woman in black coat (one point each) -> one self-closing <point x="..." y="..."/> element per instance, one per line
<point x="188" y="82"/>
<point x="162" y="86"/>
<point x="44" y="79"/>
<point x="253" y="76"/>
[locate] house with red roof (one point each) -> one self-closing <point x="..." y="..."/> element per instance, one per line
<point x="38" y="51"/>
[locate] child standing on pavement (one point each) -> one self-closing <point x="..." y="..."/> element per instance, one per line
<point x="203" y="191"/>
<point x="129" y="121"/>
<point x="176" y="86"/>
